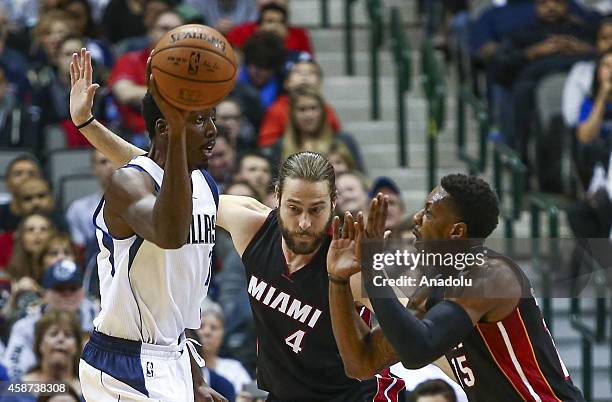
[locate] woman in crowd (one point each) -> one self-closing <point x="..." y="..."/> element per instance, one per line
<point x="211" y="333"/>
<point x="30" y="238"/>
<point x="309" y="129"/>
<point x="58" y="247"/>
<point x="50" y="30"/>
<point x="57" y="345"/>
<point x="341" y="159"/>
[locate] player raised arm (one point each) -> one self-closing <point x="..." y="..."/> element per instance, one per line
<point x="82" y="94"/>
<point x="132" y="204"/>
<point x="242" y="217"/>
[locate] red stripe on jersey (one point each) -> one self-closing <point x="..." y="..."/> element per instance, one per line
<point x="495" y="343"/>
<point x="388" y="387"/>
<point x="365" y="314"/>
<point x="522" y="348"/>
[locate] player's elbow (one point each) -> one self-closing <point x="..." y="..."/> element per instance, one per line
<point x="359" y="370"/>
<point x="170" y="242"/>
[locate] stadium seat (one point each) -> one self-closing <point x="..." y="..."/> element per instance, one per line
<point x="76" y="186"/>
<point x="67" y="162"/>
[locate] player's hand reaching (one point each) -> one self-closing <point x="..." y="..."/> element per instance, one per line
<point x="344" y="255"/>
<point x="206" y="394"/>
<point x="175" y="118"/>
<point x="377" y="217"/>
<point x="82" y="90"/>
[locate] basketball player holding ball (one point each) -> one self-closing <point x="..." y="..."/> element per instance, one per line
<point x="155" y="259"/>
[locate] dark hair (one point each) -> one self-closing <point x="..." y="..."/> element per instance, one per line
<point x="23" y="263"/>
<point x="433" y="387"/>
<point x="309" y="166"/>
<point x="91" y="30"/>
<point x="21" y="158"/>
<point x="254" y="154"/>
<point x="245" y="183"/>
<point x="66" y="320"/>
<point x="265" y="50"/>
<point x="596" y="83"/>
<point x="274" y="7"/>
<point x="151" y="113"/>
<point x="476" y="203"/>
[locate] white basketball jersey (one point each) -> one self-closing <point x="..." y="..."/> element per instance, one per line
<point x="150" y="294"/>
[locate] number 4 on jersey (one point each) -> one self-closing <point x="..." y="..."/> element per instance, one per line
<point x="295" y="341"/>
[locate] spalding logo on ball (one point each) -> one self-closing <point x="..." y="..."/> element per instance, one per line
<point x="194" y="67"/>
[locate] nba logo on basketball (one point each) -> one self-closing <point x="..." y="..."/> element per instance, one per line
<point x="194" y="63"/>
<point x="150" y="369"/>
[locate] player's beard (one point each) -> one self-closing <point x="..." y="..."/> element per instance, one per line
<point x="299" y="247"/>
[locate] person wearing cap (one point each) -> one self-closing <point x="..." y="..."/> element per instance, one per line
<point x="398" y="221"/>
<point x="302" y="70"/>
<point x="63" y="291"/>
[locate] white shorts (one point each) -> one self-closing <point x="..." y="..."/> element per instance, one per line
<point x="114" y="369"/>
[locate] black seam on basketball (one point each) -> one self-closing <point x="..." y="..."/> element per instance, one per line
<point x="194" y="80"/>
<point x="231" y="62"/>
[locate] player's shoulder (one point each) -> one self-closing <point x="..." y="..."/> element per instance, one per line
<point x="128" y="184"/>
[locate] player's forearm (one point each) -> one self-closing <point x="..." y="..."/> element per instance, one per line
<point x="173" y="205"/>
<point x="351" y="333"/>
<point x="110" y="144"/>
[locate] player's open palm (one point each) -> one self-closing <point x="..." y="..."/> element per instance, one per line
<point x="82" y="90"/>
<point x="344" y="255"/>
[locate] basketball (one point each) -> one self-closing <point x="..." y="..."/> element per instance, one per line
<point x="194" y="67"/>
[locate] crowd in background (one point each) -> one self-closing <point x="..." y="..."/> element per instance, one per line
<point x="49" y="291"/>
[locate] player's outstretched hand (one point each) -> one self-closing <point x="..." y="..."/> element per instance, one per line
<point x="344" y="255"/>
<point x="206" y="394"/>
<point x="175" y="118"/>
<point x="82" y="90"/>
<point x="377" y="217"/>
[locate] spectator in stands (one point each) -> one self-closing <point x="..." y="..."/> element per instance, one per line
<point x="57" y="345"/>
<point x="549" y="46"/>
<point x="123" y="19"/>
<point x="595" y="119"/>
<point x="341" y="159"/>
<point x="398" y="221"/>
<point x="30" y="238"/>
<point x="304" y="71"/>
<point x="353" y="188"/>
<point x="85" y="27"/>
<point x="264" y="56"/>
<point x="62" y="283"/>
<point x="80" y="212"/>
<point x="58" y="247"/>
<point x="580" y="79"/>
<point x="255" y="169"/>
<point x="211" y="333"/>
<point x="128" y="79"/>
<point x="240" y="131"/>
<point x="222" y="162"/>
<point x="433" y="391"/>
<point x="35" y="196"/>
<point x="50" y="30"/>
<point x="273" y="16"/>
<point x="309" y="129"/>
<point x="19" y="170"/>
<point x="18" y="123"/>
<point x="224" y="15"/>
<point x="12" y="61"/>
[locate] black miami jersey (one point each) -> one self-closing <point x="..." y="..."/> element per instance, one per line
<point x="514" y="359"/>
<point x="297" y="356"/>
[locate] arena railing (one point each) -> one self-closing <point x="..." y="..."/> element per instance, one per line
<point x="349" y="65"/>
<point x="400" y="46"/>
<point x="375" y="15"/>
<point x="434" y="87"/>
<point x="324" y="10"/>
<point x="466" y="99"/>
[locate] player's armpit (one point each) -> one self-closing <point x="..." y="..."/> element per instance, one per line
<point x="242" y="217"/>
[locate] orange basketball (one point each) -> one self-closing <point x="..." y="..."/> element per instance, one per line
<point x="194" y="67"/>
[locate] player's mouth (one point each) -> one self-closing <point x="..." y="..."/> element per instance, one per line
<point x="208" y="147"/>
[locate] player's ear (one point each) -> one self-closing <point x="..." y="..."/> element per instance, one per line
<point x="277" y="193"/>
<point x="161" y="127"/>
<point x="458" y="231"/>
<point x="334" y="199"/>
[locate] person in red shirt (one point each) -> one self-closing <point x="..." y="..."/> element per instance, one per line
<point x="305" y="71"/>
<point x="273" y="17"/>
<point x="127" y="79"/>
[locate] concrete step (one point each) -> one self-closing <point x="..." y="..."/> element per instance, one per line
<point x="332" y="39"/>
<point x="601" y="383"/>
<point x="387" y="155"/>
<point x="333" y="63"/>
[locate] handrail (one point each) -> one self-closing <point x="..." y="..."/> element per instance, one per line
<point x="348" y="37"/>
<point x="324" y="8"/>
<point x="375" y="14"/>
<point x="465" y="97"/>
<point x="400" y="47"/>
